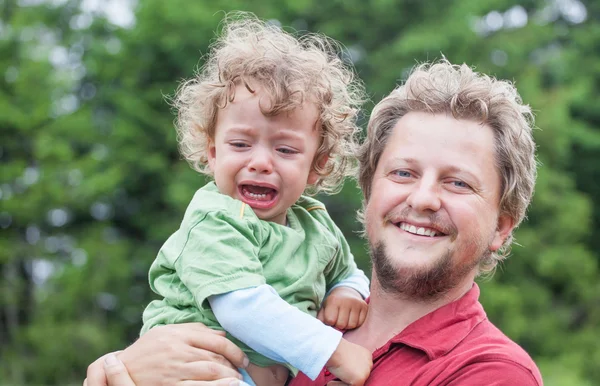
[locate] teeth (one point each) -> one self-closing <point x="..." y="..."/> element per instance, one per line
<point x="429" y="232"/>
<point x="256" y="195"/>
<point x="418" y="231"/>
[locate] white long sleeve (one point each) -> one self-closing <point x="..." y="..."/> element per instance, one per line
<point x="261" y="319"/>
<point x="357" y="281"/>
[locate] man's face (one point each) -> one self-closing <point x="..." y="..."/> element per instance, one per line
<point x="434" y="207"/>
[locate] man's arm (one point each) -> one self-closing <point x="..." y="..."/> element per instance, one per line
<point x="179" y="352"/>
<point x="117" y="375"/>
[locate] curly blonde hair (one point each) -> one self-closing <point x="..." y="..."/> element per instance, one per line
<point x="291" y="71"/>
<point x="443" y="88"/>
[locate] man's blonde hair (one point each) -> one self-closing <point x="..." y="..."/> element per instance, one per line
<point x="291" y="71"/>
<point x="443" y="88"/>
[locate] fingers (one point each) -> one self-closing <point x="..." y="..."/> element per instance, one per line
<point x="199" y="355"/>
<point x="95" y="372"/>
<point x="220" y="345"/>
<point x="357" y="317"/>
<point x="220" y="382"/>
<point x="363" y="315"/>
<point x="343" y="315"/>
<point x="116" y="373"/>
<point x="353" y="319"/>
<point x="185" y="329"/>
<point x="331" y="315"/>
<point x="321" y="314"/>
<point x="209" y="371"/>
<point x="204" y="338"/>
<point x="202" y="328"/>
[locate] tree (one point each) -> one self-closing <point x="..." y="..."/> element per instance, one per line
<point x="92" y="182"/>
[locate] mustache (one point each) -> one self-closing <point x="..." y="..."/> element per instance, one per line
<point x="434" y="219"/>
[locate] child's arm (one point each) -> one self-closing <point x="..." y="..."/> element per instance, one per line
<point x="347" y="286"/>
<point x="260" y="318"/>
<point x="344" y="307"/>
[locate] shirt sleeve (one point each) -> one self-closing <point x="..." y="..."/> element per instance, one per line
<point x="266" y="323"/>
<point x="494" y="373"/>
<point x="358" y="281"/>
<point x="219" y="255"/>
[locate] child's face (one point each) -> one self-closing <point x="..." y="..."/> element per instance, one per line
<point x="263" y="161"/>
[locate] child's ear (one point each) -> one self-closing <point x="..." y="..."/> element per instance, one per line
<point x="313" y="176"/>
<point x="505" y="226"/>
<point x="211" y="154"/>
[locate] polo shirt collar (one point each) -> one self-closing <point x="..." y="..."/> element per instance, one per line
<point x="441" y="330"/>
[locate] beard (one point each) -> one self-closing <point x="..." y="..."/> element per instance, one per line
<point x="425" y="284"/>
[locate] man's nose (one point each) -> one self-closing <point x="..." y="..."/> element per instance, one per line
<point x="261" y="161"/>
<point x="425" y="195"/>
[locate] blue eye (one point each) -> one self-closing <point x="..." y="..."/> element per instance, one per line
<point x="402" y="173"/>
<point x="461" y="184"/>
<point x="239" y="145"/>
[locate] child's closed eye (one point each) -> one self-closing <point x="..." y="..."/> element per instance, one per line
<point x="239" y="145"/>
<point x="287" y="150"/>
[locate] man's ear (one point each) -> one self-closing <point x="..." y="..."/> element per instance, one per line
<point x="313" y="176"/>
<point x="211" y="154"/>
<point x="506" y="224"/>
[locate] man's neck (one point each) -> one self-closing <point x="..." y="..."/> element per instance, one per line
<point x="390" y="314"/>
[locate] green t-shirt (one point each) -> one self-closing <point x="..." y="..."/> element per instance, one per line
<point x="222" y="246"/>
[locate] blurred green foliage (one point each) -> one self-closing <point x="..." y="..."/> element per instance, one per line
<point x="92" y="183"/>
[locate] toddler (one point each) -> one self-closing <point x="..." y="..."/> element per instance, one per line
<point x="271" y="117"/>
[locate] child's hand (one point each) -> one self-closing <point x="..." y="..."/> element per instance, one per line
<point x="343" y="309"/>
<point x="350" y="363"/>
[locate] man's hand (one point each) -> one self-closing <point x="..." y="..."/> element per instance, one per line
<point x="169" y="355"/>
<point x="343" y="309"/>
<point x="351" y="363"/>
<point x="116" y="372"/>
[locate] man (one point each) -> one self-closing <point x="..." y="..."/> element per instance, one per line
<point x="447" y="172"/>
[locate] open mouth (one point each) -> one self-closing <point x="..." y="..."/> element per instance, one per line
<point x="258" y="197"/>
<point x="419" y="231"/>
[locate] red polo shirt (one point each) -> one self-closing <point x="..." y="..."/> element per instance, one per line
<point x="453" y="345"/>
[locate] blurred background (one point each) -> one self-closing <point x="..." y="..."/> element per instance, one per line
<point x="92" y="183"/>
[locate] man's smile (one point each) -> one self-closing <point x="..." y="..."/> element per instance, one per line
<point x="419" y="230"/>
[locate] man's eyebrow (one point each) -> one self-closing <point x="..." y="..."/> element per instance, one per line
<point x="403" y="160"/>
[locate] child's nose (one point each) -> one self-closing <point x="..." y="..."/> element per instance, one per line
<point x="261" y="162"/>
